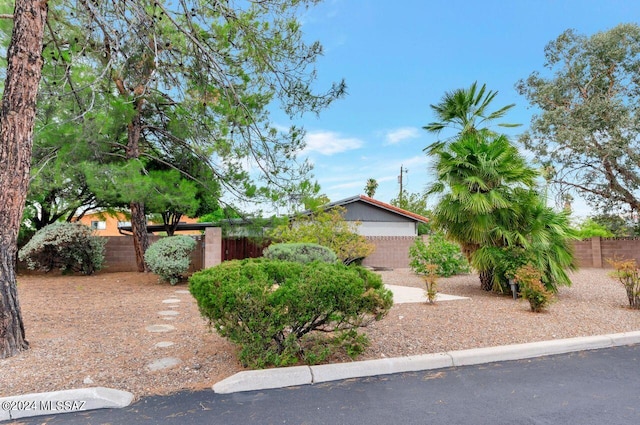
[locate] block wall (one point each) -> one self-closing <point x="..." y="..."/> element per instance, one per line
<point x="595" y="252"/>
<point x="391" y="251"/>
<point x="120" y="256"/>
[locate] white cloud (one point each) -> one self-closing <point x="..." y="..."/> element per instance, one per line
<point x="348" y="185"/>
<point x="329" y="143"/>
<point x="402" y="133"/>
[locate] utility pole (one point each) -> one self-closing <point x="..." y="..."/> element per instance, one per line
<point x="402" y="171"/>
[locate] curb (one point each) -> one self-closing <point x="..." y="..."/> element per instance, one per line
<point x="306" y="375"/>
<point x="66" y="401"/>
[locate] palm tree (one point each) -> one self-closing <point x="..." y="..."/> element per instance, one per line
<point x="477" y="175"/>
<point x="490" y="204"/>
<point x="534" y="233"/>
<point x="466" y="111"/>
<point x="370" y="188"/>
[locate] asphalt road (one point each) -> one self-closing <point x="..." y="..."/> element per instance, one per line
<point x="591" y="387"/>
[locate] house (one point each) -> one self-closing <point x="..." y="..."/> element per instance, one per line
<point x="378" y="218"/>
<point x="391" y="229"/>
<point x="109" y="224"/>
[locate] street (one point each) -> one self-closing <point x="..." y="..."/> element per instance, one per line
<point x="592" y="387"/>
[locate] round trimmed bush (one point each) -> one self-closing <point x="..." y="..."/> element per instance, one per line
<point x="170" y="257"/>
<point x="300" y="253"/>
<point x="65" y="246"/>
<point x="281" y="313"/>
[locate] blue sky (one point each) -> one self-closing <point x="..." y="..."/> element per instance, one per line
<point x="398" y="57"/>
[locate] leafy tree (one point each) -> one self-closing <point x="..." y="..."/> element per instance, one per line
<point x="327" y="228"/>
<point x="590" y="228"/>
<point x="200" y="77"/>
<point x="589" y="110"/>
<point x="371" y="187"/>
<point x="417" y="204"/>
<point x="616" y="224"/>
<point x="17" y="116"/>
<point x="219" y="214"/>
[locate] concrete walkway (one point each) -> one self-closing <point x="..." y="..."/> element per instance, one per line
<point x="406" y="294"/>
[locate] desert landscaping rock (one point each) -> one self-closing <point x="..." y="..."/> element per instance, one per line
<point x="160" y="328"/>
<point x="171" y="301"/>
<point x="168" y="313"/>
<point x="164" y="344"/>
<point x="164" y="363"/>
<point x="595" y="304"/>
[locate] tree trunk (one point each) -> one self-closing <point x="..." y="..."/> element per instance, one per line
<point x="486" y="280"/>
<point x="140" y="236"/>
<point x="171" y="219"/>
<point x="138" y="217"/>
<point x="17" y="114"/>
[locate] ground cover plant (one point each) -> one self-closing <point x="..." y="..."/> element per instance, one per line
<point x="281" y="313"/>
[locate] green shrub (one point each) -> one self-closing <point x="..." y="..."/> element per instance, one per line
<point x="439" y="251"/>
<point x="504" y="262"/>
<point x="70" y="247"/>
<point x="169" y="257"/>
<point x="281" y="312"/>
<point x="300" y="253"/>
<point x="532" y="289"/>
<point x="327" y="228"/>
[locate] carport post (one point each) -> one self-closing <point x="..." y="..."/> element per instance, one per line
<point x="212" y="246"/>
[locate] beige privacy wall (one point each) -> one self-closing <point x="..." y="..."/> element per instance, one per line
<point x="594" y="252"/>
<point x="391" y="251"/>
<point x="120" y="256"/>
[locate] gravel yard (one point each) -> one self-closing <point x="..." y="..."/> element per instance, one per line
<point x="90" y="331"/>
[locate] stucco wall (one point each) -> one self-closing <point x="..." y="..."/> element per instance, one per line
<point x="370" y="228"/>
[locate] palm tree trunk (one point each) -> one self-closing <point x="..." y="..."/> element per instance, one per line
<point x="486" y="280"/>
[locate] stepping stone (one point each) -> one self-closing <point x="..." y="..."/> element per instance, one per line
<point x="168" y="313"/>
<point x="182" y="291"/>
<point x="164" y="344"/>
<point x="164" y="363"/>
<point x="168" y="318"/>
<point x="160" y="328"/>
<point x="174" y="306"/>
<point x="171" y="301"/>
